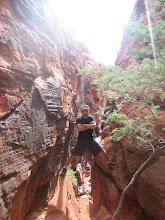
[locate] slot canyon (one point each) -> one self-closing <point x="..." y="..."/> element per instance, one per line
<point x="41" y="93"/>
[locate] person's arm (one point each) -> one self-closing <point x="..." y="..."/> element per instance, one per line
<point x="92" y="125"/>
<point x="82" y="127"/>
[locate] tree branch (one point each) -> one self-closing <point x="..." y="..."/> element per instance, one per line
<point x="137" y="173"/>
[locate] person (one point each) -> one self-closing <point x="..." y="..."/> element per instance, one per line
<point x="85" y="125"/>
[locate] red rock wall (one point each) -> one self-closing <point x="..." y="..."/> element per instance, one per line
<point x="39" y="100"/>
<point x="122" y="57"/>
<point x="146" y="198"/>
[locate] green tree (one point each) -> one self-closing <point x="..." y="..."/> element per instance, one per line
<point x="144" y="76"/>
<point x="137" y="84"/>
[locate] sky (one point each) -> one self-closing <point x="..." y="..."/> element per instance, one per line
<point x="98" y="24"/>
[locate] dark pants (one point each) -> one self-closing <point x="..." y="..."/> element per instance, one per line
<point x="92" y="146"/>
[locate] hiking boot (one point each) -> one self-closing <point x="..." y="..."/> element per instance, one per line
<point x="63" y="172"/>
<point x="112" y="165"/>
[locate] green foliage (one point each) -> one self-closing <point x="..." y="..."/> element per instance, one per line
<point x="72" y="176"/>
<point x="140" y="81"/>
<point x="88" y="69"/>
<point x="100" y="110"/>
<point x="79" y="70"/>
<point x="124" y="83"/>
<point x="127" y="126"/>
<point x="140" y="33"/>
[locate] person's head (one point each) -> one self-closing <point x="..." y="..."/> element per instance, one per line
<point x="84" y="110"/>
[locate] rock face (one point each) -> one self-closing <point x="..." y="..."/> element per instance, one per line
<point x="63" y="205"/>
<point x="40" y="93"/>
<point x="145" y="199"/>
<point x="123" y="59"/>
<point x="39" y="99"/>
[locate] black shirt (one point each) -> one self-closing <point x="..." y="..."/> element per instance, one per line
<point x="87" y="134"/>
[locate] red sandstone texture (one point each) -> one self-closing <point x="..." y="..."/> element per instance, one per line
<point x="39" y="101"/>
<point x="123" y="59"/>
<point x="146" y="198"/>
<point x="40" y="93"/>
<point x="63" y="205"/>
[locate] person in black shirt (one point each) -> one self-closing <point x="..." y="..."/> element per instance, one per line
<point x="85" y="125"/>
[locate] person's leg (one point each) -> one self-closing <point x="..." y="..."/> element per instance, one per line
<point x="78" y="151"/>
<point x="104" y="155"/>
<point x="100" y="157"/>
<point x="69" y="161"/>
<point x="94" y="147"/>
<point x="103" y="162"/>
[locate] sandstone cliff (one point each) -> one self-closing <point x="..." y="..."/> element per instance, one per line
<point x="39" y="100"/>
<point x="40" y="94"/>
<point x="146" y="199"/>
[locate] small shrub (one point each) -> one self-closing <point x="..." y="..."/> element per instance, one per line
<point x="72" y="176"/>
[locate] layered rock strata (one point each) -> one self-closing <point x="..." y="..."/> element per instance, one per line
<point x="39" y="101"/>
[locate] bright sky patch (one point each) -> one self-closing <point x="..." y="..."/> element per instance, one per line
<point x="97" y="23"/>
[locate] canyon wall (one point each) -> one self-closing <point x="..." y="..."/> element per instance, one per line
<point x="39" y="101"/>
<point x="40" y="95"/>
<point x="146" y="198"/>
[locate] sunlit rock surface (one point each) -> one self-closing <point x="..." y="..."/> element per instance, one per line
<point x="63" y="205"/>
<point x="39" y="101"/>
